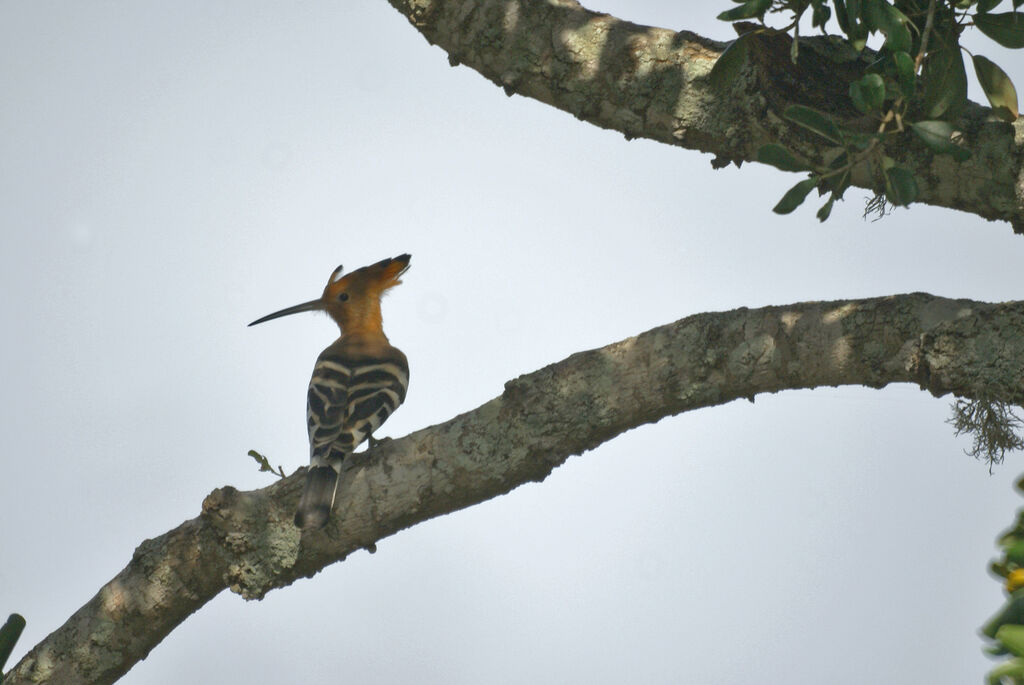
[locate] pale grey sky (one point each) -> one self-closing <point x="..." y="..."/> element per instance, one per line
<point x="171" y="171"/>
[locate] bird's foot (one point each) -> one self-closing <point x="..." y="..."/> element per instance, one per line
<point x="372" y="442"/>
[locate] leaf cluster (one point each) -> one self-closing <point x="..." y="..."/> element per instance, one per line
<point x="916" y="82"/>
<point x="1005" y="629"/>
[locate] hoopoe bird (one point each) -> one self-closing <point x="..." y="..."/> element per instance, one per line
<point x="358" y="381"/>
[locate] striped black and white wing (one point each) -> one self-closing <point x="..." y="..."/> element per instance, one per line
<point x="326" y="406"/>
<point x="349" y="398"/>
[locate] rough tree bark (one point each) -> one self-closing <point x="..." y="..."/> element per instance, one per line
<point x="652" y="83"/>
<point x="245" y="541"/>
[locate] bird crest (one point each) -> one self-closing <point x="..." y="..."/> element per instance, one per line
<point x="369" y="281"/>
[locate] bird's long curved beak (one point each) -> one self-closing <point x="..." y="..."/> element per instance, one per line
<point x="311" y="306"/>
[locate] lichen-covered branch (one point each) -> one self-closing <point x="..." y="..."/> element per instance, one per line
<point x="653" y="83"/>
<point x="245" y="541"/>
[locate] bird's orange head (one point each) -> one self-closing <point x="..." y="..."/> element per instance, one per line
<point x="353" y="299"/>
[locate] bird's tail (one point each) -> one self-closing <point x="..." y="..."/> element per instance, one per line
<point x="317" y="498"/>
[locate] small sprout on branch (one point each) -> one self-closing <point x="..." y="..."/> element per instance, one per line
<point x="265" y="463"/>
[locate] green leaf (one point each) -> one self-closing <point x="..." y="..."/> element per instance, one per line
<point x="938" y="136"/>
<point x="1012" y="637"/>
<point x="861" y="141"/>
<point x="748" y="10"/>
<point x="881" y="16"/>
<point x="897" y="35"/>
<point x="987" y="5"/>
<point x="842" y="17"/>
<point x="836" y="157"/>
<point x="795" y="196"/>
<point x="853" y="11"/>
<point x="839" y="184"/>
<point x="905" y="72"/>
<point x="848" y="14"/>
<point x="820" y="15"/>
<point x="1015" y="554"/>
<point x="873" y="14"/>
<point x="727" y="66"/>
<point x="826" y="208"/>
<point x="1010" y="538"/>
<point x="261" y="460"/>
<point x="1006" y="28"/>
<point x="780" y="158"/>
<point x="9" y="634"/>
<point x="998" y="88"/>
<point x="1011" y="612"/>
<point x="857" y="98"/>
<point x="900" y="186"/>
<point x="945" y="83"/>
<point x="1012" y="669"/>
<point x="815" y="121"/>
<point x="265" y="463"/>
<point x="868" y="93"/>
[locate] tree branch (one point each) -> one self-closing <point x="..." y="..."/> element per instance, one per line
<point x="652" y="83"/>
<point x="245" y="541"/>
